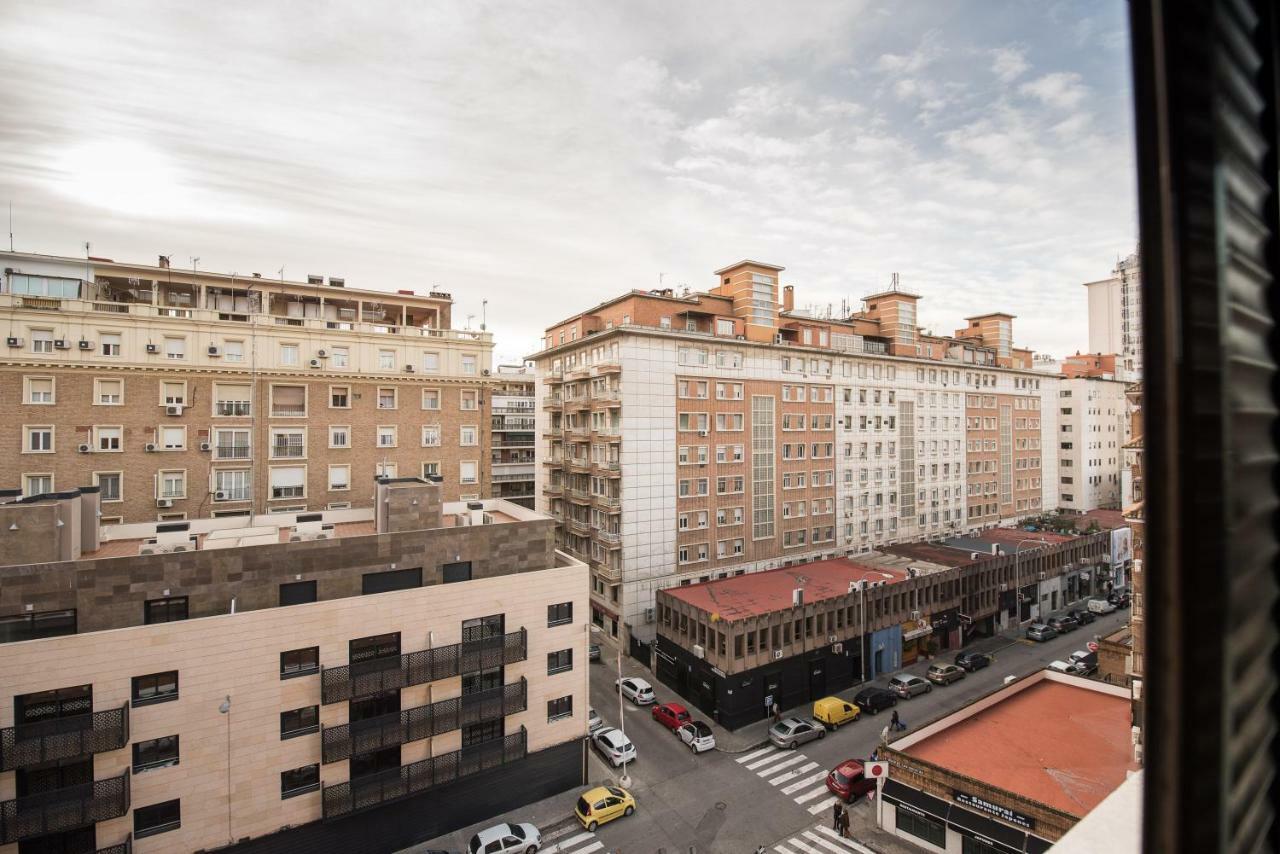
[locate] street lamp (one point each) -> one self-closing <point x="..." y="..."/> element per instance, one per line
<point x="861" y="584"/>
<point x="1017" y="575"/>
<point x="624" y="780"/>
<point x="225" y="708"/>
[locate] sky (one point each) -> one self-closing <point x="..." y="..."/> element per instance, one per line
<point x="546" y="156"/>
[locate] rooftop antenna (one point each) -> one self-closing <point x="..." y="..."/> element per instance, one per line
<point x="484" y="313"/>
<point x="87" y="248"/>
<point x="895" y="281"/>
<point x="469" y="317"/>
<point x="194" y="261"/>
<point x="660" y="276"/>
<point x="280" y="272"/>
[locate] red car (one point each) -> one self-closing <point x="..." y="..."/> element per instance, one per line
<point x="847" y="781"/>
<point x="671" y="715"/>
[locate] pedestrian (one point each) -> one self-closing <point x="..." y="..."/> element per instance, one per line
<point x="837" y="814"/>
<point x="777" y="714"/>
<point x="894" y="723"/>
<point x="844" y="824"/>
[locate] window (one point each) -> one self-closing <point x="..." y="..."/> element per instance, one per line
<point x="386" y="360"/>
<point x="37" y="624"/>
<point x="431" y="398"/>
<point x="299" y="662"/>
<point x="430" y="470"/>
<point x="340" y="436"/>
<point x="233" y="351"/>
<point x="232" y="400"/>
<point x="468" y="363"/>
<point x="299" y="781"/>
<point x="157" y="818"/>
<point x="156" y="753"/>
<point x="173" y="438"/>
<point x="297" y="592"/>
<point x="108" y="438"/>
<point x="41" y="341"/>
<point x="922" y="827"/>
<point x="288" y="401"/>
<point x="175" y="348"/>
<point x="431" y="363"/>
<point x="458" y="571"/>
<point x="172" y="484"/>
<point x="386" y="398"/>
<point x="560" y="708"/>
<point x="431" y="435"/>
<point x="467" y="436"/>
<point x="339" y="477"/>
<point x="108" y="392"/>
<point x="40" y="390"/>
<point x="289" y="355"/>
<point x="37" y="484"/>
<point x="387" y="436"/>
<point x="468" y="399"/>
<point x="231" y="485"/>
<point x="168" y="610"/>
<point x="288" y="482"/>
<point x="340" y="357"/>
<point x="467" y="472"/>
<point x="339" y="397"/>
<point x="396" y="579"/>
<point x="39" y="440"/>
<point x="298" y="722"/>
<point x="109" y="485"/>
<point x="109" y="342"/>
<point x="57" y="287"/>
<point x="155" y="688"/>
<point x="559" y="615"/>
<point x="559" y="662"/>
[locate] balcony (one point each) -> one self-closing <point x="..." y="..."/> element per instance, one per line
<point x="581" y="526"/>
<point x="580" y="402"/>
<point x="384" y="787"/>
<point x="64" y="809"/>
<point x="553" y="488"/>
<point x="610" y="468"/>
<point x="288" y="410"/>
<point x="342" y="742"/>
<point x="609" y="538"/>
<point x="364" y="678"/>
<point x="231" y="452"/>
<point x="612" y="366"/>
<point x="64" y="738"/>
<point x="611" y="395"/>
<point x="125" y="847"/>
<point x="581" y="496"/>
<point x="606" y="573"/>
<point x="552" y="401"/>
<point x="612" y="503"/>
<point x="579" y="463"/>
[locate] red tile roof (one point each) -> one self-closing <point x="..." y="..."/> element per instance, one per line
<point x="942" y="555"/>
<point x="1059" y="744"/>
<point x="756" y="593"/>
<point x="1013" y="536"/>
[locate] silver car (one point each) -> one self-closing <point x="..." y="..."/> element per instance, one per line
<point x="636" y="690"/>
<point x="614" y="746"/>
<point x="790" y="733"/>
<point x="594" y="722"/>
<point x="907" y="686"/>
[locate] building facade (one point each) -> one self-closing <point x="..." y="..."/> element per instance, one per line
<point x="513" y="425"/>
<point x="689" y="437"/>
<point x="183" y="686"/>
<point x="1094" y="428"/>
<point x="1115" y="316"/>
<point x="188" y="394"/>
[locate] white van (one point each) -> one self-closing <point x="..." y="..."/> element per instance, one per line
<point x="1101" y="606"/>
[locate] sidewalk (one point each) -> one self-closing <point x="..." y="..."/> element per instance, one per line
<point x="552" y="816"/>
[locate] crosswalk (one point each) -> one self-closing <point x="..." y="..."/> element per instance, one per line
<point x="820" y="840"/>
<point x="793" y="774"/>
<point x="581" y="843"/>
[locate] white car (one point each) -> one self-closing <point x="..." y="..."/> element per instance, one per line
<point x="594" y="722"/>
<point x="1062" y="666"/>
<point x="698" y="736"/>
<point x="636" y="690"/>
<point x="614" y="746"/>
<point x="506" y="838"/>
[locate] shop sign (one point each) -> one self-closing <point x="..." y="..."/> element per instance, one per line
<point x="1001" y="812"/>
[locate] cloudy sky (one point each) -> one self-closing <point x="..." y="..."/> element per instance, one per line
<point x="547" y="155"/>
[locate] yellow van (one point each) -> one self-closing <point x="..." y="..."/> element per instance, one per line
<point x="832" y="711"/>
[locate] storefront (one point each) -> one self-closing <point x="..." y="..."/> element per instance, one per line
<point x="884" y="652"/>
<point x="965" y="823"/>
<point x="915" y="640"/>
<point x="946" y="629"/>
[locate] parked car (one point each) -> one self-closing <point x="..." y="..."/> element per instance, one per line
<point x="636" y="690"/>
<point x="790" y="733"/>
<point x="832" y="711"/>
<point x="848" y="782"/>
<point x="614" y="746"/>
<point x="944" y="674"/>
<point x="594" y="722"/>
<point x="874" y="699"/>
<point x="1084" y="663"/>
<point x="671" y="715"/>
<point x="972" y="661"/>
<point x="1061" y="666"/>
<point x="1119" y="597"/>
<point x="1061" y="623"/>
<point x="506" y="838"/>
<point x="593" y="652"/>
<point x="698" y="736"/>
<point x="1101" y="606"/>
<point x="1040" y="632"/>
<point x="603" y="804"/>
<point x="907" y="686"/>
<point x="1083" y="616"/>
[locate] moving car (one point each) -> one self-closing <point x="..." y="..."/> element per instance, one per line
<point x="614" y="746"/>
<point x="907" y="686"/>
<point x="874" y="699"/>
<point x="944" y="674"/>
<point x="972" y="661"/>
<point x="593" y="652"/>
<point x="1083" y="616"/>
<point x="1119" y="597"/>
<point x="1061" y="623"/>
<point x="594" y="722"/>
<point x="603" y="804"/>
<point x="698" y="736"/>
<point x="506" y="838"/>
<point x="790" y="733"/>
<point x="636" y="690"/>
<point x="1101" y="606"/>
<point x="832" y="711"/>
<point x="848" y="782"/>
<point x="671" y="715"/>
<point x="1040" y="633"/>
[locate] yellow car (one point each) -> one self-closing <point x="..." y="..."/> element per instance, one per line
<point x="603" y="804"/>
<point x="832" y="711"/>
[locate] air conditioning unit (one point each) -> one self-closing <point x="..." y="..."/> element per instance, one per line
<point x="777" y="338"/>
<point x="14" y="342"/>
<point x="703" y="433"/>
<point x="315" y="363"/>
<point x="832" y="638"/>
<point x="777" y="654"/>
<point x="219" y="496"/>
<point x="84" y="449"/>
<point x="164" y="502"/>
<point x="485" y="372"/>
<point x="149" y="447"/>
<point x="173" y="409"/>
<point x="699" y="652"/>
<point x="180" y="547"/>
<point x="153" y="348"/>
<point x="205" y="446"/>
<point x="837" y="648"/>
<point x="86" y="345"/>
<point x="322" y="354"/>
<point x="915" y="615"/>
<point x="61" y="344"/>
<point x="148" y="550"/>
<point x="408" y="369"/>
<point x="648" y="615"/>
<point x="214" y="351"/>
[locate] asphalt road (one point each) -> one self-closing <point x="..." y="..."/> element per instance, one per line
<point x="719" y="802"/>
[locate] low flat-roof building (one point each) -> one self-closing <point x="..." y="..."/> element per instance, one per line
<point x="1011" y="772"/>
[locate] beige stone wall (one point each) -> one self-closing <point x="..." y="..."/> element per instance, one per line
<point x="238" y="655"/>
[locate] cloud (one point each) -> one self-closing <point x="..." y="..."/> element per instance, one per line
<point x="1009" y="63"/>
<point x="925" y="54"/>
<point x="1062" y="89"/>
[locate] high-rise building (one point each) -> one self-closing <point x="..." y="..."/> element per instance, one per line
<point x="691" y="436"/>
<point x="1115" y="316"/>
<point x="1093" y="424"/>
<point x="183" y="393"/>
<point x="513" y="445"/>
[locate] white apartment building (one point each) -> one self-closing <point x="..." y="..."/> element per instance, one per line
<point x="1115" y="316"/>
<point x="1093" y="429"/>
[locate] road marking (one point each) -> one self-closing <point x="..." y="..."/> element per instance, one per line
<point x="760" y="752"/>
<point x="573" y="840"/>
<point x="808" y="796"/>
<point x="594" y="846"/>
<point x="807" y="781"/>
<point x="774" y="757"/>
<point x="821" y="805"/>
<point x="778" y="766"/>
<point x="782" y="850"/>
<point x="791" y="775"/>
<point x="804" y="846"/>
<point x="861" y="849"/>
<point x="825" y="843"/>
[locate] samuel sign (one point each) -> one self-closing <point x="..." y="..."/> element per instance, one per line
<point x="1002" y="813"/>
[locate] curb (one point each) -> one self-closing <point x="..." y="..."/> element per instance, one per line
<point x="558" y="828"/>
<point x="754" y="746"/>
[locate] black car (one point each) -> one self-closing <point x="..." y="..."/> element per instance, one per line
<point x="972" y="661"/>
<point x="593" y="652"/>
<point x="1062" y="624"/>
<point x="873" y="700"/>
<point x="1083" y="616"/>
<point x="1119" y="597"/>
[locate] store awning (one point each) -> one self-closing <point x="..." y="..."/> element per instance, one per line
<point x="914" y="799"/>
<point x="919" y="631"/>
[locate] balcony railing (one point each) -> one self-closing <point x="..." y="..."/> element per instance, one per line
<point x="64" y="738"/>
<point x="612" y="538"/>
<point x="64" y="809"/>
<point x="364" y="678"/>
<point x="231" y="452"/>
<point x="342" y="742"/>
<point x="232" y="408"/>
<point x="283" y="452"/>
<point x="288" y="409"/>
<point x="125" y="847"/>
<point x="374" y="790"/>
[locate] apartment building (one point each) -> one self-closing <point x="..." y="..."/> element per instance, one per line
<point x="187" y="394"/>
<point x="346" y="681"/>
<point x="1115" y="316"/>
<point x="1093" y="421"/>
<point x="513" y="424"/>
<point x="692" y="436"/>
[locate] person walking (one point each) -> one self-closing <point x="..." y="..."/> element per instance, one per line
<point x="844" y="824"/>
<point x="777" y="714"/>
<point x="837" y="815"/>
<point x="894" y="723"/>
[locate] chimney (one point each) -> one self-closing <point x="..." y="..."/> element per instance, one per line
<point x="90" y="501"/>
<point x="788" y="298"/>
<point x="163" y="263"/>
<point x="475" y="510"/>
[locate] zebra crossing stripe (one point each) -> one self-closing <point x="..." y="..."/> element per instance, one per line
<point x="849" y="843"/>
<point x="791" y="775"/>
<point x="807" y="781"/>
<point x="825" y="843"/>
<point x="756" y="753"/>
<point x="768" y="760"/>
<point x="808" y="796"/>
<point x="565" y="844"/>
<point x="804" y="847"/>
<point x="773" y="769"/>
<point x="594" y="846"/>
<point x="821" y="805"/>
<point x="782" y="850"/>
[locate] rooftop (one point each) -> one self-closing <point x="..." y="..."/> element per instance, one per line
<point x="1107" y="520"/>
<point x="1059" y="740"/>
<point x="741" y="596"/>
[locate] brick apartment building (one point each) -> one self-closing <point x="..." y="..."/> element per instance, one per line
<point x="184" y="394"/>
<point x="181" y="686"/>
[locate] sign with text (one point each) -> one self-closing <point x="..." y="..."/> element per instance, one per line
<point x="1000" y="812"/>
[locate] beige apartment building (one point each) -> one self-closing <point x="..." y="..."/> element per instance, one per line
<point x="185" y="394"/>
<point x="343" y="681"/>
<point x="686" y="437"/>
<point x="513" y="426"/>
